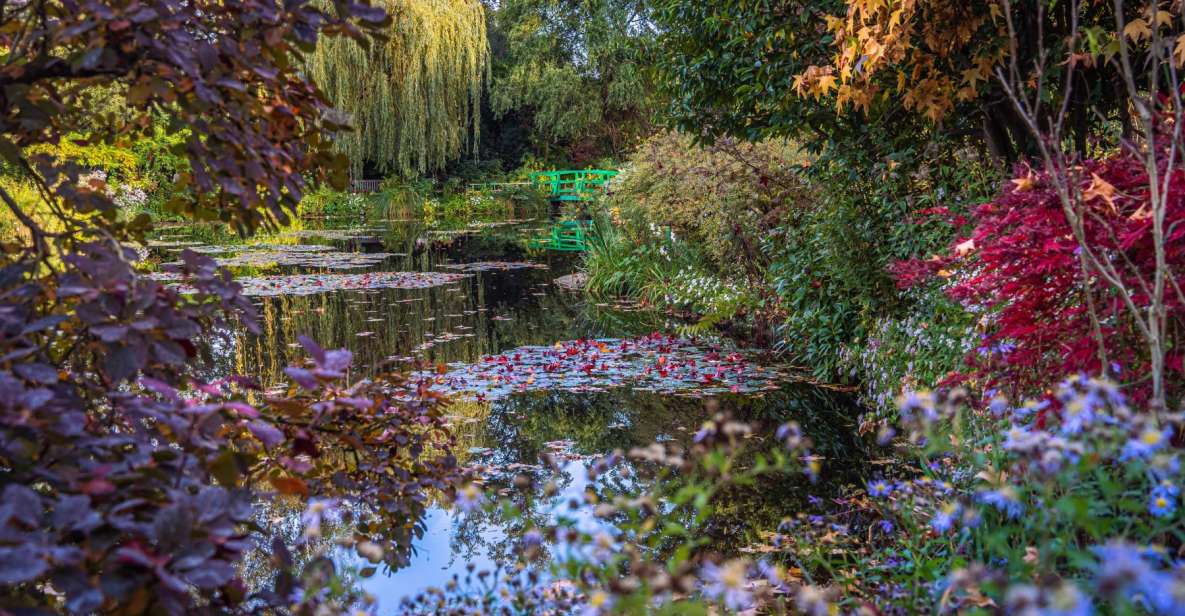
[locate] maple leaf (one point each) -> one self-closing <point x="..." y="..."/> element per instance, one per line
<point x="825" y="84"/>
<point x="1137" y="30"/>
<point x="1179" y="50"/>
<point x="1163" y="18"/>
<point x="1025" y="183"/>
<point x="1100" y="189"/>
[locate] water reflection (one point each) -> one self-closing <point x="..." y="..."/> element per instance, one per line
<point x="492" y="312"/>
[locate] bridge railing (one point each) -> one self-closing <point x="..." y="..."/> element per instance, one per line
<point x="573" y="185"/>
<point x="365" y="186"/>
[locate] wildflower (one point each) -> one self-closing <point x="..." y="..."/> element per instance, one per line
<point x="707" y="431"/>
<point x="1005" y="500"/>
<point x="1030" y="407"/>
<point x="603" y="547"/>
<point x="1162" y="502"/>
<point x="1051" y="461"/>
<point x="469" y="498"/>
<point x="771" y="574"/>
<point x="912" y="402"/>
<point x="532" y="539"/>
<point x="886" y="527"/>
<point x="812" y="467"/>
<point x="726" y="583"/>
<point x="879" y="488"/>
<point x="318" y="511"/>
<point x="1067" y="600"/>
<point x="1163" y="593"/>
<point x="1022" y="440"/>
<point x="1077" y="414"/>
<point x="599" y="602"/>
<point x="998" y="406"/>
<point x="791" y="434"/>
<point x="812" y="601"/>
<point x="1121" y="566"/>
<point x="944" y="518"/>
<point x="1149" y="442"/>
<point x="1164" y="466"/>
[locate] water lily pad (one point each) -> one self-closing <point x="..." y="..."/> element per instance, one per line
<point x="218" y="249"/>
<point x="657" y="363"/>
<point x="306" y="258"/>
<point x="486" y="266"/>
<point x="172" y="244"/>
<point x="572" y="282"/>
<point x="340" y="235"/>
<point x="309" y="284"/>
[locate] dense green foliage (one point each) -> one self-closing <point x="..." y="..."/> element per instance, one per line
<point x="575" y="73"/>
<point x="765" y="237"/>
<point x="413" y="93"/>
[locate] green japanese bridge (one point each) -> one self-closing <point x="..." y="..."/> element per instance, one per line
<point x="561" y="186"/>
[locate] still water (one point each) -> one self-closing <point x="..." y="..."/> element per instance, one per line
<point x="496" y="310"/>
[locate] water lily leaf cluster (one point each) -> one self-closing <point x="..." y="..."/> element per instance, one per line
<point x="486" y="266"/>
<point x="309" y="284"/>
<point x="655" y="362"/>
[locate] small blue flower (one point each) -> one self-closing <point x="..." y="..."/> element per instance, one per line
<point x="469" y="498"/>
<point x="879" y="488"/>
<point x="886" y="527"/>
<point x="998" y="406"/>
<point x="1068" y="600"/>
<point x="1149" y="442"/>
<point x="1162" y="502"/>
<point x="944" y="519"/>
<point x="1005" y="500"/>
<point x="1078" y="413"/>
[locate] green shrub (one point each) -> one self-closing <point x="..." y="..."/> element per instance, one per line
<point x="829" y="261"/>
<point x="721" y="198"/>
<point x="915" y="351"/>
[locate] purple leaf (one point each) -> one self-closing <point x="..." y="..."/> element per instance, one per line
<point x="302" y="377"/>
<point x="110" y="333"/>
<point x="313" y="349"/>
<point x="266" y="433"/>
<point x="21" y="564"/>
<point x="37" y="373"/>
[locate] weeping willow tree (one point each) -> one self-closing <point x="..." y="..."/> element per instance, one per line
<point x="413" y="99"/>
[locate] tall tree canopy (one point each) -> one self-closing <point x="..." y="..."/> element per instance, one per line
<point x="414" y="99"/>
<point x="574" y="69"/>
<point x="834" y="68"/>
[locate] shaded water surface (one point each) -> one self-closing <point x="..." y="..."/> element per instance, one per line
<point x="495" y="311"/>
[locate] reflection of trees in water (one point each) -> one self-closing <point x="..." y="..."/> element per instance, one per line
<point x="518" y="429"/>
<point x="399" y="321"/>
<point x="280" y="518"/>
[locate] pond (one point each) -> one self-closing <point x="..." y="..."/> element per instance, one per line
<point x="534" y="370"/>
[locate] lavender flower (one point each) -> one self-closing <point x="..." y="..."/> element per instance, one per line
<point x="727" y="583"/>
<point x="469" y="498"/>
<point x="944" y="518"/>
<point x="1149" y="442"/>
<point x="1162" y="502"/>
<point x="1005" y="500"/>
<point x="879" y="488"/>
<point x="318" y="511"/>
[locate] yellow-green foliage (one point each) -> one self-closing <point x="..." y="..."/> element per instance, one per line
<point x="414" y="100"/>
<point x="113" y="159"/>
<point x="24" y="192"/>
<point x="721" y="199"/>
